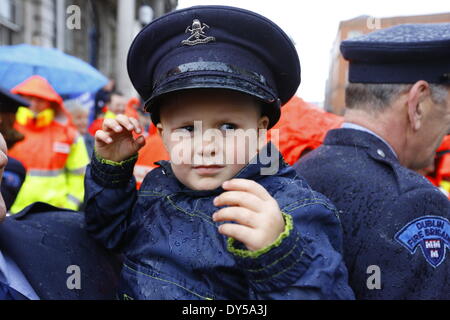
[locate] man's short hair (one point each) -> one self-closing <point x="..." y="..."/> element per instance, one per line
<point x="374" y="97"/>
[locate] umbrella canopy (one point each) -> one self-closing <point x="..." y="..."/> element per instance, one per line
<point x="67" y="74"/>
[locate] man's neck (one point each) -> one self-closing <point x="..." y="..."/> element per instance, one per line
<point x="382" y="126"/>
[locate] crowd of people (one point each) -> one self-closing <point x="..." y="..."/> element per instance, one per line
<point x="349" y="192"/>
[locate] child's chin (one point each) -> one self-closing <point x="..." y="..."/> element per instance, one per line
<point x="206" y="185"/>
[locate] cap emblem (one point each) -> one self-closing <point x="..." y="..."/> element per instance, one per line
<point x="198" y="34"/>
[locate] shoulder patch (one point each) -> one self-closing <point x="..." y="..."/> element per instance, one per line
<point x="431" y="233"/>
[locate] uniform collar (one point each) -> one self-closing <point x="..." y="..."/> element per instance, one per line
<point x="377" y="148"/>
<point x="349" y="125"/>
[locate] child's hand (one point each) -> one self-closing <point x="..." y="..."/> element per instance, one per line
<point x="115" y="141"/>
<point x="258" y="215"/>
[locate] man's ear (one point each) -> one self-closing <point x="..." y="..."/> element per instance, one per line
<point x="419" y="92"/>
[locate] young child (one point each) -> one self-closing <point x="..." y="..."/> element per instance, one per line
<point x="213" y="223"/>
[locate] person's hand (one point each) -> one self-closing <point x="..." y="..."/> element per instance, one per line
<point x="115" y="141"/>
<point x="258" y="216"/>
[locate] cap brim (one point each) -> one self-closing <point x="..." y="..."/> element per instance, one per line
<point x="10" y="102"/>
<point x="271" y="108"/>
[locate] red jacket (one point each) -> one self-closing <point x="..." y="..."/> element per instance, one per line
<point x="302" y="127"/>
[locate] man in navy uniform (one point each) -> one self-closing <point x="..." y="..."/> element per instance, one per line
<point x="396" y="227"/>
<point x="45" y="253"/>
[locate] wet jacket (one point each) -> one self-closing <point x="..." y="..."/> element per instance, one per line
<point x="173" y="250"/>
<point x="47" y="244"/>
<point x="53" y="152"/>
<point x="396" y="229"/>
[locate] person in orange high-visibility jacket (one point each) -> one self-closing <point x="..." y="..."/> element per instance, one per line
<point x="443" y="170"/>
<point x="439" y="172"/>
<point x="115" y="105"/>
<point x="302" y="128"/>
<point x="53" y="151"/>
<point x="151" y="152"/>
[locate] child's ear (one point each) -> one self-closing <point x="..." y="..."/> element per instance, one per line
<point x="159" y="126"/>
<point x="263" y="122"/>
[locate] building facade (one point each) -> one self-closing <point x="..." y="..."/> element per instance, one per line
<point x="337" y="79"/>
<point x="97" y="31"/>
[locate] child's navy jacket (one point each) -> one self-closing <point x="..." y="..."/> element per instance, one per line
<point x="173" y="250"/>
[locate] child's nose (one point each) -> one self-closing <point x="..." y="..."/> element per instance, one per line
<point x="208" y="148"/>
<point x="210" y="144"/>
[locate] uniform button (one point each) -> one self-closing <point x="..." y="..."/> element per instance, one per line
<point x="381" y="153"/>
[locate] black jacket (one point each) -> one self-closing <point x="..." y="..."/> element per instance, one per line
<point x="392" y="217"/>
<point x="45" y="241"/>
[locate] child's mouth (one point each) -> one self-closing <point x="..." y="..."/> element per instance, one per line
<point x="207" y="170"/>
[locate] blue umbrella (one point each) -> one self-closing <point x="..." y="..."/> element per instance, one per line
<point x="67" y="74"/>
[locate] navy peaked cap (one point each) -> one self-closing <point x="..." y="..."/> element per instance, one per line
<point x="215" y="47"/>
<point x="405" y="53"/>
<point x="10" y="102"/>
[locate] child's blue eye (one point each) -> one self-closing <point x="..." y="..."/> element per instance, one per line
<point x="228" y="126"/>
<point x="187" y="128"/>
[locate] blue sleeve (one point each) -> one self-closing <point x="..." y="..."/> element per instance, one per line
<point x="110" y="194"/>
<point x="302" y="263"/>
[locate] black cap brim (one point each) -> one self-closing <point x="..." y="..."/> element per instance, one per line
<point x="10" y="102"/>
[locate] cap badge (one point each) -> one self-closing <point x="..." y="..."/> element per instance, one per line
<point x="198" y="34"/>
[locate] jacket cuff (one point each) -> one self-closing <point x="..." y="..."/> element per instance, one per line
<point x="276" y="266"/>
<point x="111" y="174"/>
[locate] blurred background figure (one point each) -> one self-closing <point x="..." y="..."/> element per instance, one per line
<point x="53" y="152"/>
<point x="116" y="104"/>
<point x="80" y="120"/>
<point x="14" y="172"/>
<point x="102" y="97"/>
<point x="439" y="171"/>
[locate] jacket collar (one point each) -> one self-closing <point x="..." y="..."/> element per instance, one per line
<point x="26" y="117"/>
<point x="267" y="158"/>
<point x="376" y="147"/>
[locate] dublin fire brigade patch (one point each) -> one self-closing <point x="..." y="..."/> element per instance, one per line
<point x="431" y="233"/>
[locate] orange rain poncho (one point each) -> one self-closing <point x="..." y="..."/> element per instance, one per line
<point x="441" y="174"/>
<point x="302" y="128"/>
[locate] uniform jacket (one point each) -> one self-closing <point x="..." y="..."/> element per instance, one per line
<point x="53" y="152"/>
<point x="45" y="241"/>
<point x="392" y="217"/>
<point x="173" y="250"/>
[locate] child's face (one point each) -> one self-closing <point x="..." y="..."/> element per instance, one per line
<point x="198" y="128"/>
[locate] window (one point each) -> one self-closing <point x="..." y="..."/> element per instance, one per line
<point x="7" y="21"/>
